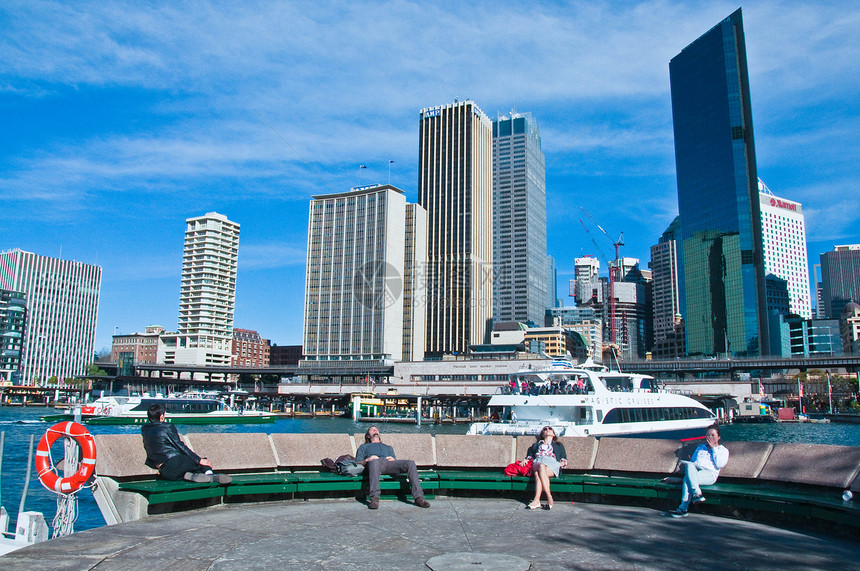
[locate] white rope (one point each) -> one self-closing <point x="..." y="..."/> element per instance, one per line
<point x="67" y="514"/>
<point x="67" y="504"/>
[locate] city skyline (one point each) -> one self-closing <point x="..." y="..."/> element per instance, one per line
<point x="124" y="121"/>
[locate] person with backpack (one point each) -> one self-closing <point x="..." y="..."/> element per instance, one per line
<point x="378" y="459"/>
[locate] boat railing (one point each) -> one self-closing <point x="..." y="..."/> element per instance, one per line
<point x="538" y="390"/>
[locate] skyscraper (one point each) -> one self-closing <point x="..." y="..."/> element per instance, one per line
<point x="723" y="279"/>
<point x="13" y="319"/>
<point x="665" y="296"/>
<point x="632" y="314"/>
<point x="62" y="302"/>
<point x="519" y="220"/>
<point x="840" y="279"/>
<point x="784" y="242"/>
<point x="585" y="287"/>
<point x="455" y="170"/>
<point x="207" y="297"/>
<point x="362" y="248"/>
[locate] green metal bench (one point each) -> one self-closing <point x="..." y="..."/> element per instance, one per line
<point x="330" y="482"/>
<point x="164" y="491"/>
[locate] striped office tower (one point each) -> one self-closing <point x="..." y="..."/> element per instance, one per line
<point x="62" y="299"/>
<point x="455" y="170"/>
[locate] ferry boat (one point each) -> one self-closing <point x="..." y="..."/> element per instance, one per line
<point x="382" y="407"/>
<point x="186" y="408"/>
<point x="590" y="400"/>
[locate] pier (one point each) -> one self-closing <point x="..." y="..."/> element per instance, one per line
<point x="455" y="533"/>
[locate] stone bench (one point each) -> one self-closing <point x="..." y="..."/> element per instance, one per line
<point x="797" y="479"/>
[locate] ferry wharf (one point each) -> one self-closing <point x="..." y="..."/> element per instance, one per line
<point x="455" y="533"/>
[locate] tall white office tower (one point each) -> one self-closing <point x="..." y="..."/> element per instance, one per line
<point x="585" y="287"/>
<point x="361" y="246"/>
<point x="455" y="170"/>
<point x="62" y="300"/>
<point x="519" y="221"/>
<point x="784" y="238"/>
<point x="208" y="294"/>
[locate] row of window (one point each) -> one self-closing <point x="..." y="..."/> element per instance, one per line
<point x="654" y="414"/>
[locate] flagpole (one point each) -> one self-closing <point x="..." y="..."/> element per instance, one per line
<point x="389" y="171"/>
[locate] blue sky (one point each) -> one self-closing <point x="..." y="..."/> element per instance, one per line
<point x="121" y="120"/>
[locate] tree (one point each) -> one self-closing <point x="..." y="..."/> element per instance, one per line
<point x="94" y="370"/>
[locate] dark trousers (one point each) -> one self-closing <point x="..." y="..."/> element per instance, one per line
<point x="174" y="468"/>
<point x="391" y="467"/>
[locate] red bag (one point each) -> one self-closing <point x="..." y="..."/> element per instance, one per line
<point x="515" y="469"/>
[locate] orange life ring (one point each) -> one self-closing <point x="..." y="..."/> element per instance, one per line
<point x="45" y="468"/>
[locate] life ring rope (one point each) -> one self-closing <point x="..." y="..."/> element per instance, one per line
<point x="47" y="471"/>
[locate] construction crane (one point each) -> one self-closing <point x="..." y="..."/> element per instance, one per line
<point x="614" y="273"/>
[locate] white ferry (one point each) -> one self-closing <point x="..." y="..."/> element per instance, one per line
<point x="186" y="408"/>
<point x="591" y="401"/>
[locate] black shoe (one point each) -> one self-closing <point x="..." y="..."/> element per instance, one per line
<point x="698" y="498"/>
<point x="198" y="478"/>
<point x="222" y="478"/>
<point x="421" y="502"/>
<point x="678" y="513"/>
<point x="374" y="503"/>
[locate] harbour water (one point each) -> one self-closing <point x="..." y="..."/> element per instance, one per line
<point x="19" y="423"/>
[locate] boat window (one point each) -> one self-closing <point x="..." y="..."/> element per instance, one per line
<point x="653" y="414"/>
<point x="618" y="384"/>
<point x="584" y="415"/>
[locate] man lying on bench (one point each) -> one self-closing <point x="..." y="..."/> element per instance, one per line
<point x="166" y="452"/>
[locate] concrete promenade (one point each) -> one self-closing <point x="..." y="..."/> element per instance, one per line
<point x="455" y="533"/>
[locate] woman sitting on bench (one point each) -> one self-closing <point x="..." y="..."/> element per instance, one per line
<point x="702" y="469"/>
<point x="548" y="458"/>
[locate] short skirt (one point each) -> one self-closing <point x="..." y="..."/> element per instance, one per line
<point x="551" y="463"/>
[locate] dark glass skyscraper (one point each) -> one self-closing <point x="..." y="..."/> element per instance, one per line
<point x="840" y="279"/>
<point x="723" y="279"/>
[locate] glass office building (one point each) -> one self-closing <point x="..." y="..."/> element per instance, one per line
<point x="723" y="277"/>
<point x="520" y="276"/>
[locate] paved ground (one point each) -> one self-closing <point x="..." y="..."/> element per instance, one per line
<point x="455" y="533"/>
